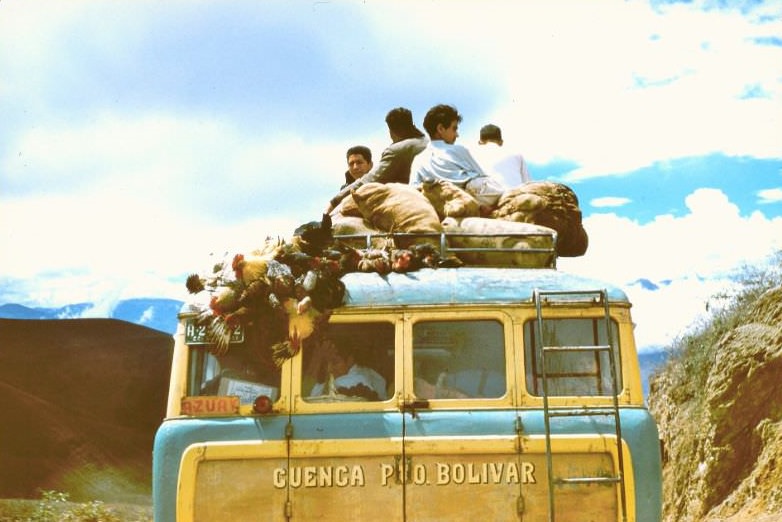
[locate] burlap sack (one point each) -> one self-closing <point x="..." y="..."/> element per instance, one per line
<point x="449" y="200"/>
<point x="396" y="207"/>
<point x="347" y="207"/>
<point x="550" y="204"/>
<point x="500" y="234"/>
<point x="353" y="231"/>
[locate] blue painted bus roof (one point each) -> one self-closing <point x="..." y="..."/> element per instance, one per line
<point x="465" y="285"/>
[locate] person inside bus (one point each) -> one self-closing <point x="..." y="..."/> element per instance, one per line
<point x="236" y="364"/>
<point x="350" y="377"/>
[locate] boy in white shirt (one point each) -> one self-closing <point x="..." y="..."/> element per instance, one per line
<point x="508" y="167"/>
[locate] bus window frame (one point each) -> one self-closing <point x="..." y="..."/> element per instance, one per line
<point x="629" y="389"/>
<point x="506" y="400"/>
<point x="300" y="404"/>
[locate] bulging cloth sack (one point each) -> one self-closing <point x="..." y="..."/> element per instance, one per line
<point x="347" y="207"/>
<point x="550" y="204"/>
<point x="449" y="200"/>
<point x="500" y="234"/>
<point x="396" y="207"/>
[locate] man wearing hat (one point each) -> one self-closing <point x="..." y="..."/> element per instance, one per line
<point x="509" y="167"/>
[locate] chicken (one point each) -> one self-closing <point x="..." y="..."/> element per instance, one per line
<point x="326" y="291"/>
<point x="402" y="260"/>
<point x="224" y="300"/>
<point x="256" y="294"/>
<point x="425" y="255"/>
<point x="298" y="261"/>
<point x="249" y="267"/>
<point x="218" y="334"/>
<point x="314" y="236"/>
<point x="281" y="280"/>
<point x="375" y="260"/>
<point x="345" y="257"/>
<point x="194" y="283"/>
<point x="300" y="327"/>
<point x="239" y="317"/>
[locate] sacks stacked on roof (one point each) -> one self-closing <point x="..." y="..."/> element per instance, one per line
<point x="528" y="245"/>
<point x="549" y="204"/>
<point x="396" y="207"/>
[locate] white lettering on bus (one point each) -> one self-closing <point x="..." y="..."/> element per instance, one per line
<point x="485" y="473"/>
<point x="419" y="474"/>
<point x="444" y="474"/>
<point x="319" y="476"/>
<point x="386" y="472"/>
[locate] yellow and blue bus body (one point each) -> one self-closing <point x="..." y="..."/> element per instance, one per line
<point x="511" y="394"/>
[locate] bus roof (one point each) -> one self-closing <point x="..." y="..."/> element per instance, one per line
<point x="465" y="285"/>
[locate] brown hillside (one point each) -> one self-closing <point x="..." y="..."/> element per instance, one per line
<point x="82" y="399"/>
<point x="720" y="413"/>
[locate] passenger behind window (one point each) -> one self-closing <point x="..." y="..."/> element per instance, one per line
<point x="349" y="378"/>
<point x="460" y="359"/>
<point x="240" y="365"/>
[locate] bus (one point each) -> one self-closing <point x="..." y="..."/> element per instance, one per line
<point x="503" y="389"/>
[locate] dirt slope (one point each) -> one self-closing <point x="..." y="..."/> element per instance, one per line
<point x="81" y="400"/>
<point x="719" y="407"/>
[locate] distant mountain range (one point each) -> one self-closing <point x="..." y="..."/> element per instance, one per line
<point x="161" y="314"/>
<point x="155" y="313"/>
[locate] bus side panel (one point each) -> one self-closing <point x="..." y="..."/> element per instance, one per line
<point x="639" y="432"/>
<point x="174" y="437"/>
<point x="346" y="466"/>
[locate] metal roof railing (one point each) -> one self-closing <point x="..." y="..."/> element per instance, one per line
<point x="501" y="249"/>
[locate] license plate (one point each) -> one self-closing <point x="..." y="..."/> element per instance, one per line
<point x="196" y="334"/>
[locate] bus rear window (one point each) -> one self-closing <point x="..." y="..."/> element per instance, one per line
<point x="350" y="362"/>
<point x="575" y="373"/>
<point x="241" y="372"/>
<point x="459" y="359"/>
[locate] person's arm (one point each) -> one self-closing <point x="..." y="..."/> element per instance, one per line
<point x="342" y="194"/>
<point x="467" y="160"/>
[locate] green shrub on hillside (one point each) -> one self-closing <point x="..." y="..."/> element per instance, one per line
<point x="55" y="507"/>
<point x="50" y="508"/>
<point x="692" y="355"/>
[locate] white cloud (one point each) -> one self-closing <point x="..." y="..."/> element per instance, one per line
<point x="609" y="201"/>
<point x="147" y="315"/>
<point x="663" y="315"/>
<point x="773" y="195"/>
<point x="711" y="239"/>
<point x="575" y="94"/>
<point x="695" y="255"/>
<point x="122" y="199"/>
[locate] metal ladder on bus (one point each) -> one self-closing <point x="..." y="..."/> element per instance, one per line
<point x="539" y="297"/>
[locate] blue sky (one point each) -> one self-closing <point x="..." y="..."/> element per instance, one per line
<point x="139" y="137"/>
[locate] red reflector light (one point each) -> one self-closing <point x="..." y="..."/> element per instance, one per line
<point x="262" y="404"/>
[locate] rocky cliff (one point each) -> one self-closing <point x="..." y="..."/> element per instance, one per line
<point x="719" y="406"/>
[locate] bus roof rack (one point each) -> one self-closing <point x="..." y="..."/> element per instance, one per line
<point x="537" y="249"/>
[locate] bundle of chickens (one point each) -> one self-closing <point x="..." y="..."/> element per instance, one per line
<point x="284" y="291"/>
